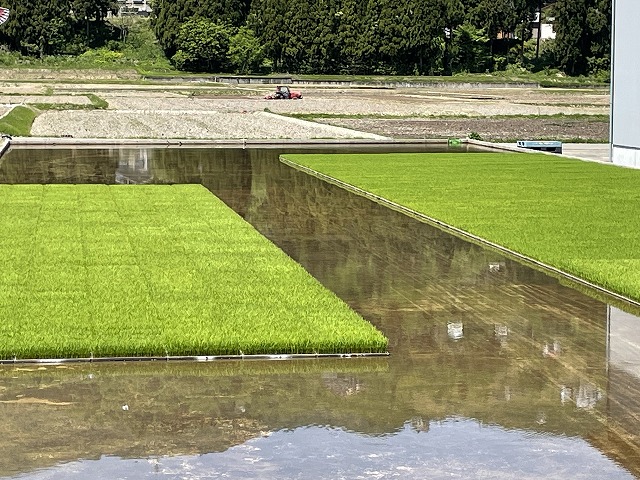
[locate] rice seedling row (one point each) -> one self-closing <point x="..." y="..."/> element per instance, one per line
<point x="580" y="217"/>
<point x="96" y="270"/>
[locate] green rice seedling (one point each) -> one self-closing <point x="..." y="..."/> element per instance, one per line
<point x="154" y="271"/>
<point x="580" y="217"/>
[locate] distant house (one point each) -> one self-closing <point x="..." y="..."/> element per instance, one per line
<point x="133" y="7"/>
<point x="545" y="28"/>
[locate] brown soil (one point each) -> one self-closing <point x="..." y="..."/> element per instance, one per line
<point x="491" y="129"/>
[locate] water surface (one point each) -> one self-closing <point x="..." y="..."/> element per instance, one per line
<point x="496" y="370"/>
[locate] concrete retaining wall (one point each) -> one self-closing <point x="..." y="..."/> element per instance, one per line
<point x="625" y="157"/>
<point x="288" y="80"/>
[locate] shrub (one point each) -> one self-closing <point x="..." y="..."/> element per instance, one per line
<point x="102" y="56"/>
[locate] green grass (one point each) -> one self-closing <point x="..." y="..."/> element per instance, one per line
<point x="97" y="103"/>
<point x="221" y="91"/>
<point x="155" y="270"/>
<point x="581" y="217"/>
<point x="141" y="53"/>
<point x="18" y="121"/>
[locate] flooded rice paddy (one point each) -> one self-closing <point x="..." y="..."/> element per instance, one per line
<point x="496" y="370"/>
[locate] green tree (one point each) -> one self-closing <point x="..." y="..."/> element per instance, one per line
<point x="169" y="15"/>
<point x="203" y="46"/>
<point x="92" y="10"/>
<point x="583" y="35"/>
<point x="39" y="27"/>
<point x="502" y="20"/>
<point x="245" y="52"/>
<point x="393" y="43"/>
<point x="470" y="51"/>
<point x="231" y="12"/>
<point x="570" y="28"/>
<point x="451" y="14"/>
<point x="166" y="20"/>
<point x="295" y="36"/>
<point x="265" y="20"/>
<point x="322" y="50"/>
<point x="373" y="37"/>
<point x="353" y="36"/>
<point x="599" y="19"/>
<point x="426" y="36"/>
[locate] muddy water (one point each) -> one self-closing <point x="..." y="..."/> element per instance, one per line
<point x="496" y="370"/>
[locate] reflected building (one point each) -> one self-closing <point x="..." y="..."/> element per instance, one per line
<point x="623" y="349"/>
<point x="133" y="167"/>
<point x="455" y="330"/>
<point x="623" y="376"/>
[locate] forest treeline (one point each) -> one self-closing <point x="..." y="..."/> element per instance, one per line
<point x="353" y="37"/>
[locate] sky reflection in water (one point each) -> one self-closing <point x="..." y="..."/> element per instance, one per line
<point x="456" y="448"/>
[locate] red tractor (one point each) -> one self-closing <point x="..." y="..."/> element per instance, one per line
<point x="284" y="93"/>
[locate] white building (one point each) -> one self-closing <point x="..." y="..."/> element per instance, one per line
<point x="133" y="7"/>
<point x="625" y="84"/>
<point x="546" y="29"/>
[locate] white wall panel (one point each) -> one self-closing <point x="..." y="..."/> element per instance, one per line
<point x="625" y="112"/>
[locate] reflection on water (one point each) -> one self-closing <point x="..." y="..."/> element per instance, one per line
<point x="134" y="168"/>
<point x="456" y="448"/>
<point x="541" y="378"/>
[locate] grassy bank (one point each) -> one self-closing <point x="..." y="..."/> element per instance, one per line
<point x="155" y="270"/>
<point x="578" y="216"/>
<point x="18" y="121"/>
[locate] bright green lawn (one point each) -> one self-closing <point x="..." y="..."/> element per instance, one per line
<point x="155" y="270"/>
<point x="578" y="216"/>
